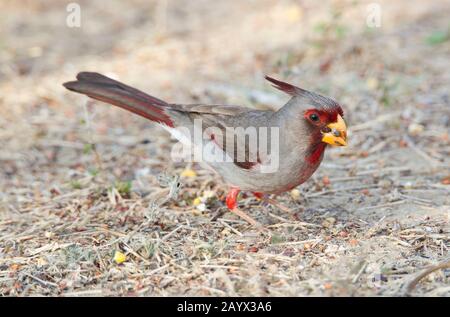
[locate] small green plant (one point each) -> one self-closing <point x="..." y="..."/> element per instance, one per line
<point x="75" y="184"/>
<point x="124" y="188"/>
<point x="333" y="28"/>
<point x="388" y="89"/>
<point x="88" y="148"/>
<point x="93" y="171"/>
<point x="275" y="239"/>
<point x="438" y="37"/>
<point x="149" y="250"/>
<point x="75" y="254"/>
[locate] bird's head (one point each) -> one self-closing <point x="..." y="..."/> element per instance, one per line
<point x="323" y="115"/>
<point x="330" y="123"/>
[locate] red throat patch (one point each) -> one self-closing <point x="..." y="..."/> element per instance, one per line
<point x="316" y="154"/>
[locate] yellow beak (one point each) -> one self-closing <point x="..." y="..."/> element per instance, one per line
<point x="336" y="133"/>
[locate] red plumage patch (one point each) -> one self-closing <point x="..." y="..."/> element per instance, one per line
<point x="325" y="116"/>
<point x="333" y="113"/>
<point x="316" y="154"/>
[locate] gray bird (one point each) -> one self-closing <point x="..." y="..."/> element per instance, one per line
<point x="264" y="152"/>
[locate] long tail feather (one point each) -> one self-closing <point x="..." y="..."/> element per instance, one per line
<point x="113" y="92"/>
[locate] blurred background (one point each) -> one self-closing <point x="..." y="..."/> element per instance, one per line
<point x="65" y="160"/>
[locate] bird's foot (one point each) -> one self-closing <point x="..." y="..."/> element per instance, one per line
<point x="247" y="218"/>
<point x="231" y="202"/>
<point x="279" y="205"/>
<point x="273" y="202"/>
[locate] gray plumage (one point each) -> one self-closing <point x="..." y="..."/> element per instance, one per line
<point x="295" y="142"/>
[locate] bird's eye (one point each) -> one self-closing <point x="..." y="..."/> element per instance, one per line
<point x="314" y="117"/>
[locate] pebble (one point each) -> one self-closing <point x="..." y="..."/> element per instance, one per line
<point x="188" y="173"/>
<point x="415" y="129"/>
<point x="119" y="257"/>
<point x="329" y="222"/>
<point x="295" y="194"/>
<point x="201" y="207"/>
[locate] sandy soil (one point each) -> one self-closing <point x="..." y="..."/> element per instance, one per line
<point x="81" y="181"/>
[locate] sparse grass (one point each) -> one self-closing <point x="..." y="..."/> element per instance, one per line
<point x="124" y="188"/>
<point x="75" y="184"/>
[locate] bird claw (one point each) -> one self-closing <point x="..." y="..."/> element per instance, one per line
<point x="246" y="217"/>
<point x="280" y="206"/>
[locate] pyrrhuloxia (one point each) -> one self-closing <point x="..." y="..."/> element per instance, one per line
<point x="306" y="124"/>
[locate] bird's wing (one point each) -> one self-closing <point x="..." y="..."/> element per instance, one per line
<point x="219" y="110"/>
<point x="220" y="118"/>
<point x="233" y="129"/>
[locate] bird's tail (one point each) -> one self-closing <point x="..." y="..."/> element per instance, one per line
<point x="113" y="92"/>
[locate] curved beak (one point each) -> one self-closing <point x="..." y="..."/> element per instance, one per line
<point x="336" y="133"/>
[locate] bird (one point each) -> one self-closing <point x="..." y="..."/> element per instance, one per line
<point x="300" y="131"/>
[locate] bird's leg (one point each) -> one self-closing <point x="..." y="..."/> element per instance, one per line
<point x="273" y="202"/>
<point x="231" y="202"/>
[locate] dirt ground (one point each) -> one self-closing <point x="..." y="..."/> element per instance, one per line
<point x="89" y="202"/>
